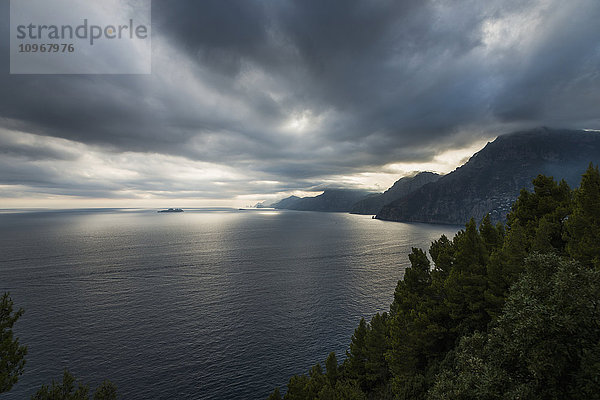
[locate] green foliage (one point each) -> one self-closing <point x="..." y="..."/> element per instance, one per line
<point x="12" y="354"/>
<point x="431" y="312"/>
<point x="348" y="390"/>
<point x="331" y="364"/>
<point x="317" y="381"/>
<point x="492" y="235"/>
<point x="504" y="268"/>
<point x="275" y="395"/>
<point x="106" y="391"/>
<point x="356" y="357"/>
<point x="549" y="204"/>
<point x="63" y="391"/>
<point x="318" y="386"/>
<point x="417" y="277"/>
<point x="545" y="345"/>
<point x="376" y="345"/>
<point x="502" y="313"/>
<point x="583" y="225"/>
<point x="464" y="371"/>
<point x="467" y="282"/>
<point x="442" y="253"/>
<point x="415" y="326"/>
<point x="297" y="388"/>
<point x="536" y="223"/>
<point x="66" y="390"/>
<point x="366" y="361"/>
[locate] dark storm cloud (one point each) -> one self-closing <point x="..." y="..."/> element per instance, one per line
<point x="558" y="80"/>
<point x="376" y="81"/>
<point x="220" y="35"/>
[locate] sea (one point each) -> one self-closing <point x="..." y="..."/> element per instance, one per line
<point x="203" y="304"/>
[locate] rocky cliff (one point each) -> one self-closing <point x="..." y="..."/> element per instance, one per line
<point x="492" y="178"/>
<point x="329" y="200"/>
<point x="401" y="188"/>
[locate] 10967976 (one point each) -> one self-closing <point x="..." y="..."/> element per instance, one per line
<point x="46" y="48"/>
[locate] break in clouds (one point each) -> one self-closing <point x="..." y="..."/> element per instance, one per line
<point x="250" y="100"/>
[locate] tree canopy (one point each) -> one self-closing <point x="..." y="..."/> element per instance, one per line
<point x="12" y="353"/>
<point x="505" y="311"/>
<point x="67" y="390"/>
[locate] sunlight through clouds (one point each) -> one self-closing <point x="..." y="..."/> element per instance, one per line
<point x="298" y="96"/>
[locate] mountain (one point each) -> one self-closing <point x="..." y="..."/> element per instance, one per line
<point x="492" y="178"/>
<point x="401" y="188"/>
<point x="286" y="203"/>
<point x="329" y="200"/>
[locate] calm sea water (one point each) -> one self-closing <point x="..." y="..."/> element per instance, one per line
<point x="205" y="304"/>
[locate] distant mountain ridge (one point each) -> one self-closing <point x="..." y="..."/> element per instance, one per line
<point x="285" y="203"/>
<point x="336" y="200"/>
<point x="402" y="187"/>
<point x="492" y="178"/>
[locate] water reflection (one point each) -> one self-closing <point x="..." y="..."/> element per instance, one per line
<point x="221" y="304"/>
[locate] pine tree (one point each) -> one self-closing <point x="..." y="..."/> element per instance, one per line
<point x="492" y="235"/>
<point x="417" y="332"/>
<point x="356" y="357"/>
<point x="545" y="344"/>
<point x="12" y="354"/>
<point x="331" y="365"/>
<point x="535" y="223"/>
<point x="106" y="391"/>
<point x="66" y="390"/>
<point x="550" y="202"/>
<point x="467" y="282"/>
<point x="583" y="225"/>
<point x="503" y="269"/>
<point x="437" y="341"/>
<point x="442" y="253"/>
<point x="296" y="388"/>
<point x="376" y="343"/>
<point x="275" y="395"/>
<point x="316" y="382"/>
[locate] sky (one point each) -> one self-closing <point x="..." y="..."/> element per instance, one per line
<point x="255" y="100"/>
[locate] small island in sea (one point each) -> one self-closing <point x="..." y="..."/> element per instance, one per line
<point x="171" y="210"/>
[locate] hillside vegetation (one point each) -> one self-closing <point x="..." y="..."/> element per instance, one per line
<point x="505" y="311"/>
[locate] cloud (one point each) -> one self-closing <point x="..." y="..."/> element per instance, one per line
<point x="302" y="93"/>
